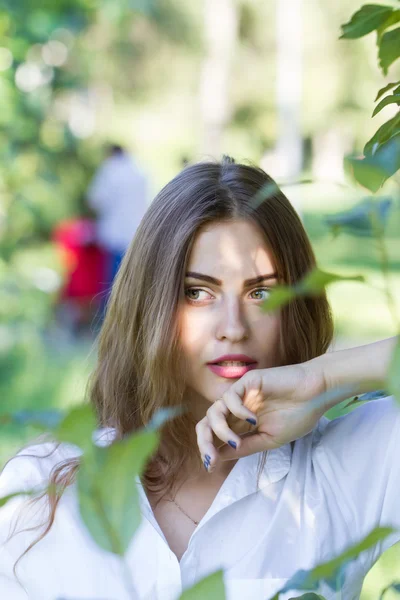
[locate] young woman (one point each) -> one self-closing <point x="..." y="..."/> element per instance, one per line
<point x="252" y="478"/>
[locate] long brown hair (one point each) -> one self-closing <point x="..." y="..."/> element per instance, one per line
<point x="140" y="367"/>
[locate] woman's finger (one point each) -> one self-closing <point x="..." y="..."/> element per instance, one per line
<point x="217" y="417"/>
<point x="250" y="444"/>
<point x="209" y="453"/>
<point x="233" y="399"/>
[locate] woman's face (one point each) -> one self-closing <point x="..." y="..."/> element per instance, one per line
<point x="221" y="313"/>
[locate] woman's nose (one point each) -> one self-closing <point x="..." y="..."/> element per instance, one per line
<point x="232" y="323"/>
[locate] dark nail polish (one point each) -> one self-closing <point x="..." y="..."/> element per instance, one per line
<point x="233" y="444"/>
<point x="252" y="421"/>
<point x="206" y="465"/>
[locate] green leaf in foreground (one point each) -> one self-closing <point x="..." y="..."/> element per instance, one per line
<point x="144" y="7"/>
<point x="385" y="89"/>
<point x="77" y="427"/>
<point x="374" y="169"/>
<point x="210" y="588"/>
<point x="107" y="490"/>
<point x="5" y="499"/>
<point x="393" y="377"/>
<point x="383" y="135"/>
<point x="280" y="296"/>
<point x="365" y="20"/>
<point x="393" y="99"/>
<point x="395" y="585"/>
<point x="316" y="281"/>
<point x="391" y="20"/>
<point x="268" y="190"/>
<point x="308" y="596"/>
<point x="328" y="570"/>
<point x="361" y="220"/>
<point x="333" y="570"/>
<point x="312" y="284"/>
<point x="389" y="49"/>
<point x="43" y="420"/>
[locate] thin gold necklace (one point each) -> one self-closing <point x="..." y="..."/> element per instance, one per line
<point x="184" y="512"/>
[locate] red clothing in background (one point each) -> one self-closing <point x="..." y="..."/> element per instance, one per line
<point x="83" y="259"/>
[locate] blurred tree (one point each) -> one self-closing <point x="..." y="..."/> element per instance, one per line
<point x="61" y="63"/>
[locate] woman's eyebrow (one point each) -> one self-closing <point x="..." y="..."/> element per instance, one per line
<point x="247" y="283"/>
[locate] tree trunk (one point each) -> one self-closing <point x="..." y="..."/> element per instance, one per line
<point x="220" y="34"/>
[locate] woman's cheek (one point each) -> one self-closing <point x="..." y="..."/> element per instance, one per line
<point x="194" y="325"/>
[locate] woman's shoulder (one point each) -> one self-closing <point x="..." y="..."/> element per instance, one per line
<point x="30" y="467"/>
<point x="361" y="440"/>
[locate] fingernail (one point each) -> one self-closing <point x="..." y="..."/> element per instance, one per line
<point x="252" y="421"/>
<point x="208" y="458"/>
<point x="233" y="444"/>
<point x="206" y="465"/>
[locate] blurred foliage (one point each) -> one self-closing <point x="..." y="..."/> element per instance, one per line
<point x="57" y="62"/>
<point x="65" y="66"/>
<point x="382" y="151"/>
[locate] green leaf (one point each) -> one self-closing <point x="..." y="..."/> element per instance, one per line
<point x="394" y="99"/>
<point x="41" y="419"/>
<point x="279" y="297"/>
<point x="77" y="427"/>
<point x="365" y="20"/>
<point x="313" y="283"/>
<point x="328" y="569"/>
<point x="212" y="588"/>
<point x="367" y="173"/>
<point x="163" y="415"/>
<point x="330" y="398"/>
<point x="107" y="490"/>
<point x="393" y="377"/>
<point x="373" y="170"/>
<point x="389" y="49"/>
<point x="361" y="219"/>
<point x="392" y="20"/>
<point x="385" y="89"/>
<point x="267" y="191"/>
<point x="317" y="280"/>
<point x="333" y="569"/>
<point x="383" y="134"/>
<point x="393" y="586"/>
<point x="5" y="499"/>
<point x="308" y="596"/>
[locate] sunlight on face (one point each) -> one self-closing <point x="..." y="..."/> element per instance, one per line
<point x="221" y="313"/>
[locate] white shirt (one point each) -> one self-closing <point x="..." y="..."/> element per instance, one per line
<point x="340" y="481"/>
<point x="119" y="195"/>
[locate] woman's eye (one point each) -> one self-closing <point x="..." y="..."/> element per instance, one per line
<point x="194" y="294"/>
<point x="263" y="293"/>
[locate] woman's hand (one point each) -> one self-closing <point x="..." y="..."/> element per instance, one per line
<point x="279" y="400"/>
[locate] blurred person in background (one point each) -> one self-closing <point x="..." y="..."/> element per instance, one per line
<point x="83" y="263"/>
<point x="118" y="194"/>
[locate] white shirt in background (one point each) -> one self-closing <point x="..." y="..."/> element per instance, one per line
<point x="119" y="195"/>
<point x="339" y="482"/>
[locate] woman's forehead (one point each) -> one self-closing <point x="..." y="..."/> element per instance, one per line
<point x="234" y="246"/>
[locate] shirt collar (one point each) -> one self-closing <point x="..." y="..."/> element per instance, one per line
<point x="241" y="481"/>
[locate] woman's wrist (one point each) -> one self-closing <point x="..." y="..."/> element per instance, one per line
<point x="365" y="367"/>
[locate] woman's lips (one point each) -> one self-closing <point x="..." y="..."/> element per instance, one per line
<point x="231" y="372"/>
